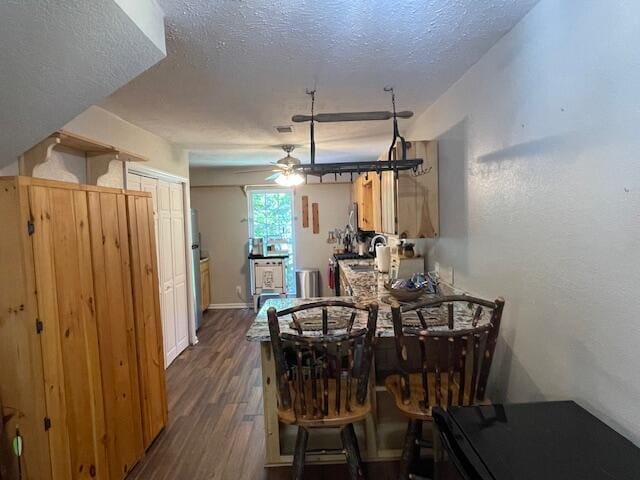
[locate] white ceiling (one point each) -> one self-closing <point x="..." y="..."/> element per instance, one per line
<point x="59" y="58"/>
<point x="237" y="68"/>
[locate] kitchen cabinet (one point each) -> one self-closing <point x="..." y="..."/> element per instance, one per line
<point x="409" y="204"/>
<point x="366" y="194"/>
<point x="388" y="203"/>
<point x="114" y="316"/>
<point x="147" y="315"/>
<point x="72" y="329"/>
<point x="205" y="284"/>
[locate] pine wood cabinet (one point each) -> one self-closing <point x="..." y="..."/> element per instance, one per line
<point x="366" y="193"/>
<point x="74" y="330"/>
<point x="205" y="284"/>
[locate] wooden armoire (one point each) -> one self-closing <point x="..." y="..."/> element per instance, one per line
<point x="81" y="353"/>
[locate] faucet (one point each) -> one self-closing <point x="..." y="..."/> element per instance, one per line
<point x="372" y="245"/>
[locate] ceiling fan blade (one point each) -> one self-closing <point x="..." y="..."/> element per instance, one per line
<point x="267" y="169"/>
<point x="283" y="166"/>
<point x="351" y="116"/>
<point x="274" y="176"/>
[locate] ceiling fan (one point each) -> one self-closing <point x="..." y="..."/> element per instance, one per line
<point x="284" y="169"/>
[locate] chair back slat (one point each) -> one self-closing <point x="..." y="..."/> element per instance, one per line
<point x="338" y="360"/>
<point x="349" y="374"/>
<point x="451" y="367"/>
<point x="425" y="369"/>
<point x="338" y="375"/>
<point x="454" y="363"/>
<point x="476" y="316"/>
<point x="325" y="381"/>
<point x="423" y="322"/>
<point x="462" y="367"/>
<point x="325" y="321"/>
<point x="438" y="370"/>
<point x="314" y="383"/>
<point x="296" y="323"/>
<point x="301" y="383"/>
<point x="351" y="320"/>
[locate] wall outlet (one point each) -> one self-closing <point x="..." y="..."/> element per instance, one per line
<point x="445" y="273"/>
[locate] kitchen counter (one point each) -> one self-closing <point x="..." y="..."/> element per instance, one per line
<point x="380" y="434"/>
<point x="367" y="287"/>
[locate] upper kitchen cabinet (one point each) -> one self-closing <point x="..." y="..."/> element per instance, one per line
<point x="366" y="194"/>
<point x="409" y="205"/>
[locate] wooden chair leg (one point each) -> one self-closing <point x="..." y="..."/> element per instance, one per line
<point x="352" y="452"/>
<point x="298" y="456"/>
<point x="416" y="443"/>
<point x="438" y="453"/>
<point x="410" y="448"/>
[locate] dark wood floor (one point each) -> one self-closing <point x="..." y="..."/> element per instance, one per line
<point x="216" y="426"/>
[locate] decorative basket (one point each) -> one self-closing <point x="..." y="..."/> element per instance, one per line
<point x="405" y="294"/>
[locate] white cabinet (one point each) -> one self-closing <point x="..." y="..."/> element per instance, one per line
<point x="388" y="203"/>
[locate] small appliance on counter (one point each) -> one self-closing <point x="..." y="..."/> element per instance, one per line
<point x="277" y="247"/>
<point x="383" y="258"/>
<point x="256" y="247"/>
<point x="404" y="267"/>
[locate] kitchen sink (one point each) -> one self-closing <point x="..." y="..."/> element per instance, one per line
<point x="361" y="268"/>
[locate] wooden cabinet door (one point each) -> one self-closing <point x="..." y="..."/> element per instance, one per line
<point x="388" y="203"/>
<point x="205" y="285"/>
<point x="376" y="206"/>
<point x="148" y="324"/>
<point x="367" y="201"/>
<point x="22" y="402"/>
<point x="417" y="197"/>
<point x="116" y="330"/>
<point x="67" y="309"/>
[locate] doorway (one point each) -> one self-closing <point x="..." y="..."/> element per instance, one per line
<point x="271" y="217"/>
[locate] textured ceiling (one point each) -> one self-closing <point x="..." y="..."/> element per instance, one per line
<point x="237" y="68"/>
<point x="59" y="58"/>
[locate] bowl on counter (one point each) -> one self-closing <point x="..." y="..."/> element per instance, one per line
<point x="405" y="294"/>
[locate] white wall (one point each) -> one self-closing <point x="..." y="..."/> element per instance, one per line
<point x="102" y="125"/>
<point x="313" y="251"/>
<point x="540" y="202"/>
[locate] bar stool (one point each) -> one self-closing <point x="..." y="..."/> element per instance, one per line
<point x="322" y="377"/>
<point x="451" y="368"/>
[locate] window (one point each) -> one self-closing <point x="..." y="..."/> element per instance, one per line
<point x="271" y="217"/>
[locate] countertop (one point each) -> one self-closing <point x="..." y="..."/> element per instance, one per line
<point x="368" y="287"/>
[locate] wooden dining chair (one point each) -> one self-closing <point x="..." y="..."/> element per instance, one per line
<point x="448" y="366"/>
<point x="322" y="377"/>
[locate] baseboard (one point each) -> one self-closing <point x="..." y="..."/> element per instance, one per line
<point x="228" y="306"/>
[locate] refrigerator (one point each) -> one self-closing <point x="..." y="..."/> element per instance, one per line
<point x="195" y="259"/>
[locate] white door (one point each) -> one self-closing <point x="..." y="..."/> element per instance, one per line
<point x="172" y="269"/>
<point x="179" y="266"/>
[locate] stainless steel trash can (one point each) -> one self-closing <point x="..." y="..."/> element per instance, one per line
<point x="307" y="282"/>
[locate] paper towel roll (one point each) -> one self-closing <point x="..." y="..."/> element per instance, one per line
<point x="383" y="258"/>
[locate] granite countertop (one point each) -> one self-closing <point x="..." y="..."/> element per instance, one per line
<point x="368" y="287"/>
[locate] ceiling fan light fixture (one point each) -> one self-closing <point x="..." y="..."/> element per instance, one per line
<point x="289" y="179"/>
